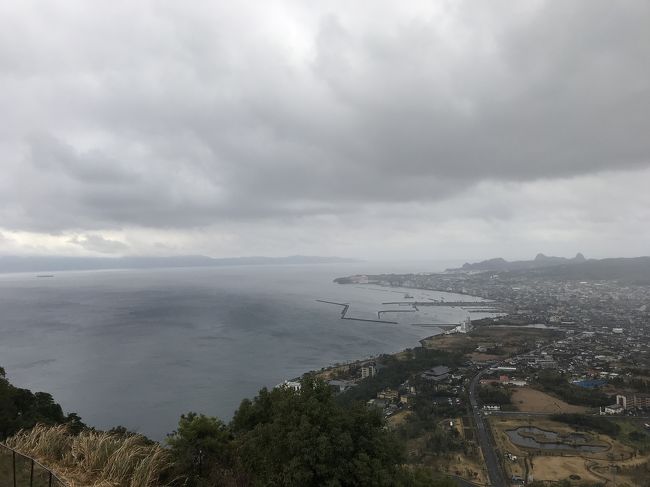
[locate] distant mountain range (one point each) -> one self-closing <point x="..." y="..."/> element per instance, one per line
<point x="634" y="270"/>
<point x="51" y="264"/>
<point x="500" y="264"/>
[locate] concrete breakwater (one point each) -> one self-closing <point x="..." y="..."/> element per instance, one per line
<point x="469" y="306"/>
<point x="379" y="313"/>
<point x="452" y="304"/>
<point x="346" y="307"/>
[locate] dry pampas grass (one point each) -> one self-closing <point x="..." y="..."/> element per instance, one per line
<point x="94" y="458"/>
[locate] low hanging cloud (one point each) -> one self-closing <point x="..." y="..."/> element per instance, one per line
<point x="174" y="117"/>
<point x="99" y="244"/>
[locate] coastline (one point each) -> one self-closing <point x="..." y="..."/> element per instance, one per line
<point x="445" y="328"/>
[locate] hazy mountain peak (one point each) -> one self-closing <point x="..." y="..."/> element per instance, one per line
<point x="498" y="261"/>
<point x="540" y="260"/>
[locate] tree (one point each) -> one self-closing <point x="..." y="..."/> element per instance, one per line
<point x="200" y="446"/>
<point x="304" y="438"/>
<point x="20" y="408"/>
<point x="286" y="437"/>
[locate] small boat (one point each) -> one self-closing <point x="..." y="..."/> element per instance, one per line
<point x="408" y="296"/>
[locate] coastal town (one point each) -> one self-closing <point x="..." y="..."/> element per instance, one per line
<point x="553" y="389"/>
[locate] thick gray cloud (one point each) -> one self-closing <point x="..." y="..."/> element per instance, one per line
<point x="161" y="116"/>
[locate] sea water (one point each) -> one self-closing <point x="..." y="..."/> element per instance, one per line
<point x="139" y="347"/>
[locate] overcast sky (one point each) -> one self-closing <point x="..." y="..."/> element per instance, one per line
<point x="378" y="130"/>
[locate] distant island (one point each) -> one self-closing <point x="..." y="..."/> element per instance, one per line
<point x="59" y="263"/>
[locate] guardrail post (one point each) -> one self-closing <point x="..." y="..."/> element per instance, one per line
<point x="53" y="480"/>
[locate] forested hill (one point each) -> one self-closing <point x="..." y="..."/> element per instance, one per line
<point x="500" y="264"/>
<point x="633" y="270"/>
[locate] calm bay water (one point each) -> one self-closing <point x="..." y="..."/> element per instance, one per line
<point x="139" y="347"/>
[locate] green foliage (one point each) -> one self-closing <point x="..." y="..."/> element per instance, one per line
<point x="638" y="384"/>
<point x="425" y="420"/>
<point x="637" y="436"/>
<point x="75" y="425"/>
<point x="441" y="441"/>
<point x="426" y="415"/>
<point x="201" y="444"/>
<point x="557" y="384"/>
<point x="303" y="438"/>
<point x="285" y="437"/>
<point x="396" y="371"/>
<point x="425" y="410"/>
<point x="282" y="437"/>
<point x="121" y="431"/>
<point x="495" y="395"/>
<point x="633" y="434"/>
<point x="438" y="440"/>
<point x="20" y="408"/>
<point x="595" y="423"/>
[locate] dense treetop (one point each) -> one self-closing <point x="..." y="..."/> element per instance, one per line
<point x="285" y="437"/>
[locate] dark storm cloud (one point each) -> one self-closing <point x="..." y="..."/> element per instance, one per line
<point x="153" y="116"/>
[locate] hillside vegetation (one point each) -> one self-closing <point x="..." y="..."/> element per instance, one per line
<point x="282" y="437"/>
<point x="21" y="408"/>
<point x="558" y="385"/>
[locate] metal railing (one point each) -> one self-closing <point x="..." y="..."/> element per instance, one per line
<point x="18" y="470"/>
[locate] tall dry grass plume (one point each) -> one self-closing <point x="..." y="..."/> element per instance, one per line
<point x="95" y="458"/>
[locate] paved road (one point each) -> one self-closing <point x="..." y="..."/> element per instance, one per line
<point x="495" y="473"/>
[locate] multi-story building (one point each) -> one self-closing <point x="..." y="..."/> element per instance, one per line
<point x="633" y="400"/>
<point x="368" y="370"/>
